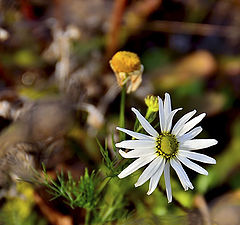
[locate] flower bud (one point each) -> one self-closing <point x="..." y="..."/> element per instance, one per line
<point x="152" y="103"/>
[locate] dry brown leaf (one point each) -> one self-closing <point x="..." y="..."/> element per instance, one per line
<point x="226" y="209"/>
<point x="197" y="65"/>
<point x="54" y="217"/>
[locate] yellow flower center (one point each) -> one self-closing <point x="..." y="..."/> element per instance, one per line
<point x="126" y="62"/>
<point x="166" y="145"/>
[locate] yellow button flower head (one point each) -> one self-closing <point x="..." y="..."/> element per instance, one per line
<point x="152" y="103"/>
<point x="124" y="61"/>
<point x="127" y="67"/>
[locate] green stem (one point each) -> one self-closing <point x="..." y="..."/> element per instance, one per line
<point x="122" y="112"/>
<point x="87" y="217"/>
<point x="103" y="184"/>
<point x="149" y="112"/>
<point x="108" y="212"/>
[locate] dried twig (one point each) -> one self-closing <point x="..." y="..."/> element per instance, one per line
<point x="201" y="204"/>
<point x="113" y="35"/>
<point x="27" y="9"/>
<point x="144" y="8"/>
<point x="192" y="28"/>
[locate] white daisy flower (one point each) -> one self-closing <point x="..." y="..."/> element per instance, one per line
<point x="173" y="146"/>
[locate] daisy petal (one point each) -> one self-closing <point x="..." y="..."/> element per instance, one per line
<point x="132" y="144"/>
<point x="137" y="153"/>
<point x="196" y="144"/>
<point x="178" y="172"/>
<point x="182" y="175"/>
<point x="149" y="171"/>
<point x="197" y="156"/>
<point x="145" y="124"/>
<point x="192" y="123"/>
<point x="167" y="105"/>
<point x="190" y="135"/>
<point x="134" y="134"/>
<point x="138" y="163"/>
<point x="167" y="182"/>
<point x="188" y="163"/>
<point x="161" y="114"/>
<point x="155" y="178"/>
<point x="178" y="126"/>
<point x="168" y="123"/>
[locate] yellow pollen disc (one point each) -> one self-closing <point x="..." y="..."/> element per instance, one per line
<point x="166" y="145"/>
<point x="126" y="62"/>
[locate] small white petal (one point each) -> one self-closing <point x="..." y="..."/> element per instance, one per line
<point x="149" y="171"/>
<point x="182" y="175"/>
<point x="132" y="144"/>
<point x="190" y="135"/>
<point x="155" y="178"/>
<point x="135" y="134"/>
<point x="161" y="114"/>
<point x="167" y="182"/>
<point x="178" y="172"/>
<point x="197" y="156"/>
<point x="167" y="105"/>
<point x="178" y="126"/>
<point x="168" y="123"/>
<point x="192" y="165"/>
<point x="137" y="153"/>
<point x="138" y="163"/>
<point x="196" y="144"/>
<point x="145" y="124"/>
<point x="192" y="123"/>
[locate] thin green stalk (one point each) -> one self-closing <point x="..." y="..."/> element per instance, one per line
<point x="122" y="112"/>
<point x="149" y="112"/>
<point x="108" y="212"/>
<point x="103" y="184"/>
<point x="87" y="217"/>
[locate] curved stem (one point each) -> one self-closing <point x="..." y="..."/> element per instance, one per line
<point x="87" y="217"/>
<point x="122" y="112"/>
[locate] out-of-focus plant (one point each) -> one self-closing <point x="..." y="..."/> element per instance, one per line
<point x="18" y="210"/>
<point x="227" y="162"/>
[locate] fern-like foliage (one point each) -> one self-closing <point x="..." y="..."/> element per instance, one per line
<point x="81" y="193"/>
